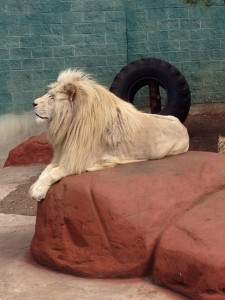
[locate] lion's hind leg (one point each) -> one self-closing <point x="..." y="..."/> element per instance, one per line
<point x="110" y="163"/>
<point x="100" y="166"/>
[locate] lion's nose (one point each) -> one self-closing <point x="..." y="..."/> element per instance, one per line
<point x="34" y="104"/>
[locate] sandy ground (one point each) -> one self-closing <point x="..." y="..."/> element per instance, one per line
<point x="14" y="185"/>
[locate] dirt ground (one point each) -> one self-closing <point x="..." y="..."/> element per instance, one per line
<point x="203" y="129"/>
<point x="18" y="202"/>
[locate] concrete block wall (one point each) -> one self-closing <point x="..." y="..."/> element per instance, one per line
<point x="41" y="37"/>
<point x="190" y="37"/>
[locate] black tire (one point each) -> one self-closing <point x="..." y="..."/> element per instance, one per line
<point x="138" y="73"/>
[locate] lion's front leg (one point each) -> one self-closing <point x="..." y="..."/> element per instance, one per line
<point x="49" y="176"/>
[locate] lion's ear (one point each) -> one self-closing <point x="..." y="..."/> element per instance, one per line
<point x="70" y="90"/>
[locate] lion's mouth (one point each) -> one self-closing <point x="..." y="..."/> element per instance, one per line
<point x="45" y="118"/>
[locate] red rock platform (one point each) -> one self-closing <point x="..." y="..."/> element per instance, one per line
<point x="35" y="150"/>
<point x="164" y="218"/>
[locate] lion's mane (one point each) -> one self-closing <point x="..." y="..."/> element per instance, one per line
<point x="89" y="119"/>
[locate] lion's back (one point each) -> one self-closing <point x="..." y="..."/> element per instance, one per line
<point x="160" y="136"/>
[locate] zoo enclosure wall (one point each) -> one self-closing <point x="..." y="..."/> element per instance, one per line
<point x="38" y="39"/>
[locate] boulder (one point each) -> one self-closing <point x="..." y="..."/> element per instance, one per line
<point x="35" y="150"/>
<point x="163" y="218"/>
<point x="190" y="257"/>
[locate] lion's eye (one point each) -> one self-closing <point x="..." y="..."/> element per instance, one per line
<point x="51" y="96"/>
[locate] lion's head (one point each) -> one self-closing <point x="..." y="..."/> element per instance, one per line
<point x="83" y="117"/>
<point x="61" y="95"/>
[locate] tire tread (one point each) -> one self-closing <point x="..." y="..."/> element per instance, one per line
<point x="168" y="74"/>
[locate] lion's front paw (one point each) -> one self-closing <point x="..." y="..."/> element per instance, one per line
<point x="38" y="191"/>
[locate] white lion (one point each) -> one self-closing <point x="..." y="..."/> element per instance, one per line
<point x="91" y="129"/>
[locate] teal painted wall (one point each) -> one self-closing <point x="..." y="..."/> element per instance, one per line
<point x="41" y="37"/>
